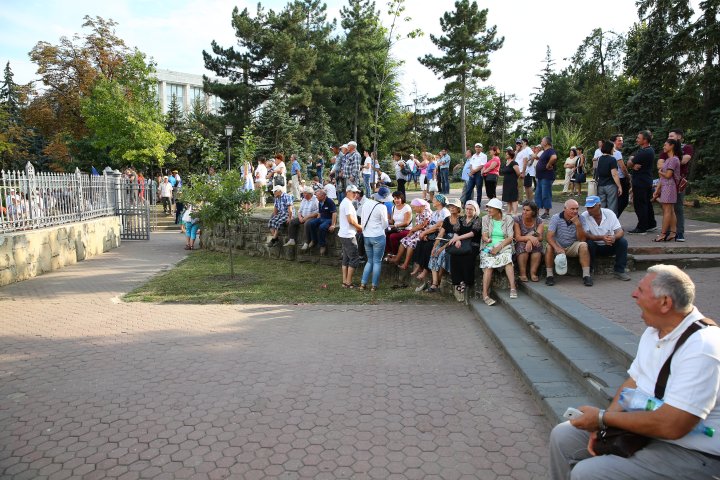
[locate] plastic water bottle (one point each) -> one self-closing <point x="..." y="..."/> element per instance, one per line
<point x="487" y="248"/>
<point x="633" y="400"/>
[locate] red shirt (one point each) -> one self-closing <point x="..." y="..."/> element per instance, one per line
<point x="494" y="162"/>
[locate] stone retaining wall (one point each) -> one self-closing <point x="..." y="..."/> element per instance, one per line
<point x="252" y="241"/>
<point x="24" y="255"/>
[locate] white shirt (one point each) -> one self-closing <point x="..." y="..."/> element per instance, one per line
<point x="367" y="166"/>
<point x="398" y="170"/>
<point x="261" y="174"/>
<point x="399" y="216"/>
<point x="618" y="156"/>
<point x="346" y="208"/>
<point x="374" y="219"/>
<point x="522" y="158"/>
<point x="597" y="154"/>
<point x="308" y="207"/>
<point x="166" y="189"/>
<point x="608" y="223"/>
<point x="331" y="191"/>
<point x="478" y="160"/>
<point x="694" y="378"/>
<point x="279" y="168"/>
<point x="384" y="177"/>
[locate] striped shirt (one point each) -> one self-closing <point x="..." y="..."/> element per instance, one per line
<point x="565" y="232"/>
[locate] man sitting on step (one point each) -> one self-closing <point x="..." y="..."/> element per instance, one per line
<point x="604" y="236"/>
<point x="308" y="210"/>
<point x="683" y="381"/>
<point x="566" y="236"/>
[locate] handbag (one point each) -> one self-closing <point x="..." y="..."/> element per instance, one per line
<point x="579" y="176"/>
<point x="491" y="177"/>
<point x="616" y="441"/>
<point x="682" y="185"/>
<point x="464" y="249"/>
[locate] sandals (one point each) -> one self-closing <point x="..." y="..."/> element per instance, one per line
<point x="373" y="288"/>
<point x="534" y="278"/>
<point x="662" y="237"/>
<point x="523" y="278"/>
<point x="361" y="287"/>
<point x="432" y="289"/>
<point x="489" y="301"/>
<point x="669" y="238"/>
<point x="348" y="285"/>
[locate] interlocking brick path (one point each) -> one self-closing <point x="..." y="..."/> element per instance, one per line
<point x="91" y="387"/>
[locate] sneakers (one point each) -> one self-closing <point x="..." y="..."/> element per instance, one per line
<point x="545" y="216"/>
<point x="550" y="281"/>
<point x="311" y="244"/>
<point x="622" y="276"/>
<point x="289" y="243"/>
<point x="679" y="237"/>
<point x="637" y="230"/>
<point x="305" y="246"/>
<point x="422" y="287"/>
<point x="588" y="282"/>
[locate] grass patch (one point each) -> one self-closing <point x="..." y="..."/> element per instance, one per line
<point x="204" y="277"/>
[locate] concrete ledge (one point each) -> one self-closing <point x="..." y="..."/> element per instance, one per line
<point x="26" y="254"/>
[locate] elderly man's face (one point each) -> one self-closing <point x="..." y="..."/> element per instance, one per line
<point x="308" y="195"/>
<point x="571" y="209"/>
<point x="651" y="307"/>
<point x="320" y="194"/>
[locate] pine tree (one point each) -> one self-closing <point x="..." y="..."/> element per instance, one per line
<point x="276" y="129"/>
<point x="9" y="95"/>
<point x="466" y="45"/>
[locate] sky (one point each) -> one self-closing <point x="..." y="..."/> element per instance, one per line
<point x="174" y="33"/>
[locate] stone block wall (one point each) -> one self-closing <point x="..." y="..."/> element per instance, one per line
<point x="26" y="254"/>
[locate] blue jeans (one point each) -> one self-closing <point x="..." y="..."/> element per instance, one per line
<point x="619" y="249"/>
<point x="444" y="180"/>
<point x="318" y="230"/>
<point x="374" y="249"/>
<point x="477" y="182"/>
<point x="366" y="181"/>
<point x="543" y="193"/>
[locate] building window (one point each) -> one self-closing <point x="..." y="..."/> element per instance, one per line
<point x="196" y="94"/>
<point x="174" y="90"/>
<point x="216" y="104"/>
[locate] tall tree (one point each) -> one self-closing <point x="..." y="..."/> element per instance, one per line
<point x="466" y="46"/>
<point x="276" y="130"/>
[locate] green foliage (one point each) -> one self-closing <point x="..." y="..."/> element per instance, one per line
<point x="276" y="129"/>
<point x="220" y="202"/>
<point x="124" y="119"/>
<point x="466" y="48"/>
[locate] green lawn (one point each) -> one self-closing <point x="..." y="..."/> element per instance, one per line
<point x="203" y="277"/>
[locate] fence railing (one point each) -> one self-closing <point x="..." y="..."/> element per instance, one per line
<point x="30" y="200"/>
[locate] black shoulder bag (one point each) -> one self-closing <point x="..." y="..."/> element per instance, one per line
<point x="616" y="441"/>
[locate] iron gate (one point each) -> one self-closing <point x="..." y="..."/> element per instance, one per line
<point x="133" y="207"/>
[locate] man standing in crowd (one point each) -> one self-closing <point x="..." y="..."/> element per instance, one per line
<point x="296" y="173"/>
<point x="604" y="236"/>
<point x="340" y="180"/>
<point x="523" y="157"/>
<point x="309" y="209"/>
<point x="479" y="159"/>
<point x="349" y="227"/>
<point x="687" y="154"/>
<point x="466" y="178"/>
<point x="166" y="193"/>
<point x="623" y="174"/>
<point x="320" y="226"/>
<point x="566" y="236"/>
<point x="691" y="394"/>
<point x="596" y="156"/>
<point x="545" y="173"/>
<point x="352" y="163"/>
<point x="641" y="165"/>
<point x="261" y="172"/>
<point x="444" y="172"/>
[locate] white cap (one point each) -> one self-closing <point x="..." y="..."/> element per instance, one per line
<point x="479" y="145"/>
<point x="278" y="187"/>
<point x="352" y="143"/>
<point x="344" y="145"/>
<point x="561" y="264"/>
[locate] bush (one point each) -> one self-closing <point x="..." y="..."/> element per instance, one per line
<point x="707" y="186"/>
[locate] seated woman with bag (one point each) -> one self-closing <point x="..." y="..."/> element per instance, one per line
<point x="424" y="247"/>
<point x="463" y="249"/>
<point x="439" y="258"/>
<point x="498" y="232"/>
<point x="422" y="211"/>
<point x="529" y="241"/>
<point x="400" y="225"/>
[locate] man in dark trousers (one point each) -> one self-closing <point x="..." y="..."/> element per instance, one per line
<point x="641" y="167"/>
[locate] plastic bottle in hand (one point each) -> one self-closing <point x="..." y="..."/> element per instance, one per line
<point x="632" y="399"/>
<point x="487" y="248"/>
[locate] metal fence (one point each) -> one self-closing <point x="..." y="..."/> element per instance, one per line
<point x="30" y="200"/>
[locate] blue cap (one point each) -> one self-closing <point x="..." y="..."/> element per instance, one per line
<point x="383" y="192"/>
<point x="591" y="201"/>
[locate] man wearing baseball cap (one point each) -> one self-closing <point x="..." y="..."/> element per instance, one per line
<point x="309" y="209"/>
<point x="604" y="236"/>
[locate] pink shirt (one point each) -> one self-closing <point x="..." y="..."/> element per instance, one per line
<point x="494" y="164"/>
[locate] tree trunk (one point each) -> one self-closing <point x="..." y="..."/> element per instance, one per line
<point x="230" y="248"/>
<point x="463" y="132"/>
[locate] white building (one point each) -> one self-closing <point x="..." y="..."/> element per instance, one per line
<point x="186" y="87"/>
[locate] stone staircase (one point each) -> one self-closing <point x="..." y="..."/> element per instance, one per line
<point x="162" y="222"/>
<point x="568" y="354"/>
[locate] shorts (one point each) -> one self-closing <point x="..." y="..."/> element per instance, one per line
<point x="191" y="230"/>
<point x="350" y="254"/>
<point x="574" y="249"/>
<point x="528" y="181"/>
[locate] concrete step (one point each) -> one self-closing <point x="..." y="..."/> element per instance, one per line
<point x="699" y="260"/>
<point x="673" y="248"/>
<point x="568" y="354"/>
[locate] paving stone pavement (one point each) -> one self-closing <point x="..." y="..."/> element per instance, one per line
<point x="91" y="387"/>
<point x="612" y="298"/>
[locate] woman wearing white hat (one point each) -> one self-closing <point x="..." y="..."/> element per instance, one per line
<point x="498" y="230"/>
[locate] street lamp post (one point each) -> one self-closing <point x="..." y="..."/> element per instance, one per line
<point x="228" y="133"/>
<point x="551" y="116"/>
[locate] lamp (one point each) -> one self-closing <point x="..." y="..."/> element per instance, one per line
<point x="551" y="117"/>
<point x="228" y="134"/>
